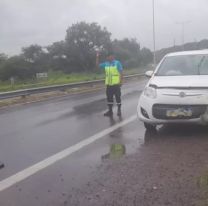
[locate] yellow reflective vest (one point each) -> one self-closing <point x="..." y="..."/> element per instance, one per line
<point x="112" y="75"/>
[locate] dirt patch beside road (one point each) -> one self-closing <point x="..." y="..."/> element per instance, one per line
<point x="170" y="169"/>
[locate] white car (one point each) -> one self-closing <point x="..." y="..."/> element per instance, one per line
<point x="177" y="91"/>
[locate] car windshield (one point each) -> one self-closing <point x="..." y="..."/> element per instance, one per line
<point x="184" y="65"/>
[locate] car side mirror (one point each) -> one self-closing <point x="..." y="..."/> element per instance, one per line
<point x="149" y="73"/>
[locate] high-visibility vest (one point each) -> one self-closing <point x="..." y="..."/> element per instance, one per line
<point x="112" y="75"/>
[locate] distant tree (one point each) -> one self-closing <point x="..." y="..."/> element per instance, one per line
<point x="17" y="67"/>
<point x="57" y="49"/>
<point x="76" y="53"/>
<point x="128" y="52"/>
<point x="82" y="40"/>
<point x="57" y="56"/>
<point x="203" y="44"/>
<point x="36" y="57"/>
<point x="32" y="53"/>
<point x="146" y="56"/>
<point x="3" y="57"/>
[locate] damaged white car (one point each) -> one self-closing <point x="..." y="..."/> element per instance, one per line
<point x="177" y="91"/>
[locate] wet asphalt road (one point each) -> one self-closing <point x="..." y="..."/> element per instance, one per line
<point x="128" y="166"/>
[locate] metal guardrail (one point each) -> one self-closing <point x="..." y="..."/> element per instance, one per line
<point x="38" y="90"/>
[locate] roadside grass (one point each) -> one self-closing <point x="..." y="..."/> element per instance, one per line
<point x="58" y="78"/>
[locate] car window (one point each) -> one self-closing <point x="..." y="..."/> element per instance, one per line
<point x="203" y="69"/>
<point x="184" y="65"/>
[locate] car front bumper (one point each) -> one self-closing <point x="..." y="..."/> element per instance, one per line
<point x="147" y="104"/>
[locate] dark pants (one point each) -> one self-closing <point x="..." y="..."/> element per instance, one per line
<point x="112" y="91"/>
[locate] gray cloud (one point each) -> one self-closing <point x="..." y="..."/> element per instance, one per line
<point x="25" y="22"/>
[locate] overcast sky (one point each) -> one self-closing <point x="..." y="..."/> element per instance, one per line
<point x="26" y="22"/>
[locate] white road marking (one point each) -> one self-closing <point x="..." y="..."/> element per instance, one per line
<point x="22" y="175"/>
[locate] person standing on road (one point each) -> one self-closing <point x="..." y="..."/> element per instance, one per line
<point x="113" y="81"/>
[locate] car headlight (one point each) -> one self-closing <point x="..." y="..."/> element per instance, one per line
<point x="150" y="92"/>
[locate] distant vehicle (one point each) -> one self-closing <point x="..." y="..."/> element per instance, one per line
<point x="177" y="91"/>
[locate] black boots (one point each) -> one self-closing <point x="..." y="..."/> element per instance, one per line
<point x="119" y="110"/>
<point x="109" y="113"/>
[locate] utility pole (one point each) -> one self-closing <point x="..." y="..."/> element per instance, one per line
<point x="174" y="43"/>
<point x="153" y="21"/>
<point x="183" y="23"/>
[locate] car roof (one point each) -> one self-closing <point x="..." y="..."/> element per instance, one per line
<point x="195" y="52"/>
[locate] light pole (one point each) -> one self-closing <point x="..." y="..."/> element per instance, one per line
<point x="153" y="24"/>
<point x="183" y="23"/>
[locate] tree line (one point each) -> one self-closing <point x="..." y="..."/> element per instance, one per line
<point x="76" y="53"/>
<point x="203" y="44"/>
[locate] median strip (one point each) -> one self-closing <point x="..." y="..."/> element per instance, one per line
<point x="26" y="92"/>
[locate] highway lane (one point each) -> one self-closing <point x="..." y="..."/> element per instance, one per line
<point x="125" y="166"/>
<point x="33" y="132"/>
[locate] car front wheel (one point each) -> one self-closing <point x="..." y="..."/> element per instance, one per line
<point x="149" y="127"/>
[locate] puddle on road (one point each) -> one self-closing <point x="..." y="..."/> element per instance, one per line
<point x="202" y="181"/>
<point x="202" y="184"/>
<point x="116" y="145"/>
<point x="110" y="149"/>
<point x="125" y="140"/>
<point x="116" y="151"/>
<point x="130" y="138"/>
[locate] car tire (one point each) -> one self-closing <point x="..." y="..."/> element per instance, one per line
<point x="149" y="127"/>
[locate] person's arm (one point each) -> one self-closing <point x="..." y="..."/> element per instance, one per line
<point x="121" y="77"/>
<point x="98" y="65"/>
<point x="120" y="68"/>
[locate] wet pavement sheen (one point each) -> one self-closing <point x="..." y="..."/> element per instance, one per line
<point x="127" y="167"/>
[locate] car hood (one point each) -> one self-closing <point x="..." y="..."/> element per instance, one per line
<point x="196" y="81"/>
